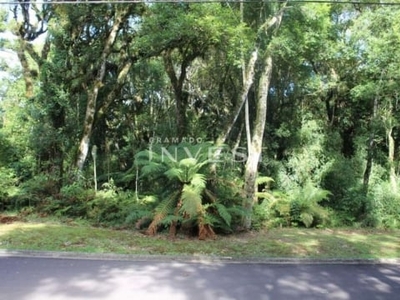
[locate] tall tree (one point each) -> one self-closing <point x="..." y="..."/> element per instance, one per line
<point x="182" y="34"/>
<point x="377" y="40"/>
<point x="120" y="15"/>
<point x="255" y="140"/>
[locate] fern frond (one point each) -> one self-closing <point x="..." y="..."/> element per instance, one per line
<point x="310" y="193"/>
<point x="198" y="182"/>
<point x="306" y="218"/>
<point x="265" y="195"/>
<point x="128" y="177"/>
<point x="223" y="213"/>
<point x="187" y="163"/>
<point x="197" y="151"/>
<point x="152" y="168"/>
<point x="149" y="199"/>
<point x="191" y="201"/>
<point x="236" y="211"/>
<point x="264" y="180"/>
<point x="171" y="218"/>
<point x="210" y="219"/>
<point x="168" y="205"/>
<point x="188" y="167"/>
<point x="174" y="173"/>
<point x="146" y="156"/>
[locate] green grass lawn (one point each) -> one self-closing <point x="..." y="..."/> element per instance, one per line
<point x="285" y="243"/>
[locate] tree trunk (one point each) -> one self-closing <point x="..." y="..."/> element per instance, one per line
<point x="94" y="91"/>
<point x="88" y="125"/>
<point x="392" y="169"/>
<point x="255" y="146"/>
<point x="26" y="71"/>
<point x="248" y="80"/>
<point x="371" y="146"/>
<point x="181" y="97"/>
<point x="247" y="83"/>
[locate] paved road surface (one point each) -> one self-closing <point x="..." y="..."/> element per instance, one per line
<point x="67" y="279"/>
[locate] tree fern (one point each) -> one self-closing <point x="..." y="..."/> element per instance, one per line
<point x="183" y="168"/>
<point x="191" y="201"/>
<point x="165" y="208"/>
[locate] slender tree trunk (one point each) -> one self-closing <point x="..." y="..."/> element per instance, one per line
<point x="88" y="125"/>
<point x="248" y="74"/>
<point x="248" y="81"/>
<point x="392" y="169"/>
<point x="255" y="146"/>
<point x="181" y="97"/>
<point x="371" y="146"/>
<point x="94" y="91"/>
<point x="122" y="74"/>
<point x="26" y="71"/>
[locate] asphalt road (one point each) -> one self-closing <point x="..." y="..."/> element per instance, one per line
<point x="66" y="279"/>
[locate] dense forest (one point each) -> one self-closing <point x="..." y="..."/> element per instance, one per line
<point x="203" y="117"/>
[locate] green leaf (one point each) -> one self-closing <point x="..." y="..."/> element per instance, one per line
<point x="174" y="173"/>
<point x="191" y="201"/>
<point x="224" y="213"/>
<point x="264" y="180"/>
<point x="306" y="218"/>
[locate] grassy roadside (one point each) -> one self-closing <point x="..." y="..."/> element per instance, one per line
<point x="285" y="243"/>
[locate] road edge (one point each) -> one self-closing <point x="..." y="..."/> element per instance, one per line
<point x="190" y="258"/>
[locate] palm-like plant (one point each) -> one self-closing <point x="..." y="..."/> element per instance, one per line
<point x="188" y="201"/>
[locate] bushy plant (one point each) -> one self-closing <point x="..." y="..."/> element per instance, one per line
<point x="73" y="200"/>
<point x="7" y="185"/>
<point x="185" y="197"/>
<point x="298" y="207"/>
<point x="113" y="206"/>
<point x="308" y="161"/>
<point x="272" y="211"/>
<point x="383" y="207"/>
<point x="344" y="181"/>
<point x="304" y="206"/>
<point x="35" y="192"/>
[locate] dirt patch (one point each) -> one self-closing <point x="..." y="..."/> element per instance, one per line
<point x="9" y="219"/>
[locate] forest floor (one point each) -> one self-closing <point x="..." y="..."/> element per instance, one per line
<point x="77" y="236"/>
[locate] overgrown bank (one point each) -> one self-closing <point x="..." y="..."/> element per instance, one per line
<point x="285" y="243"/>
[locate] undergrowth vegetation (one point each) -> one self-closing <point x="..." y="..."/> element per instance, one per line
<point x="178" y="189"/>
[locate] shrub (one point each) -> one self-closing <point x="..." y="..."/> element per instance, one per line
<point x="185" y="197"/>
<point x="304" y="206"/>
<point x="35" y="192"/>
<point x="272" y="211"/>
<point x="299" y="207"/>
<point x="7" y="184"/>
<point x="383" y="207"/>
